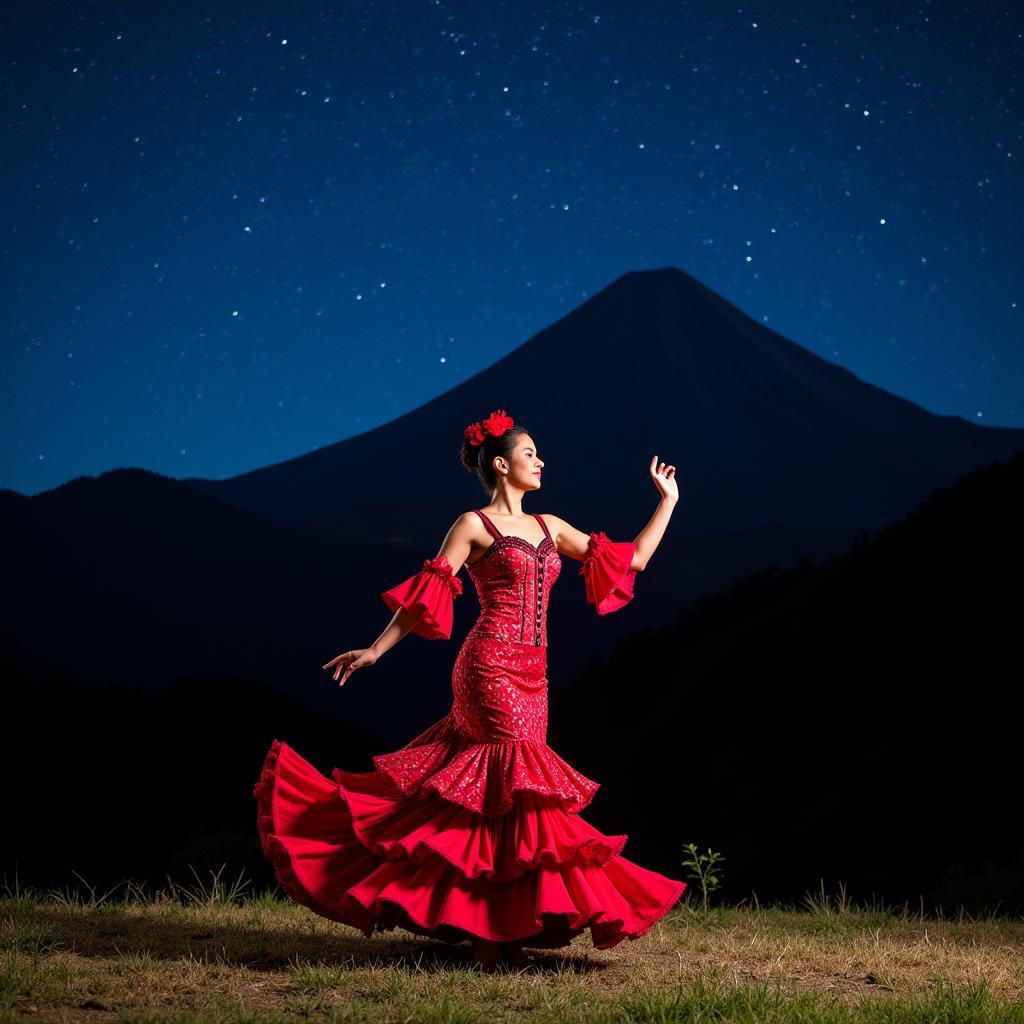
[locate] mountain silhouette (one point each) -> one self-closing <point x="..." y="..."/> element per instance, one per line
<point x="781" y="455"/>
<point x="763" y="432"/>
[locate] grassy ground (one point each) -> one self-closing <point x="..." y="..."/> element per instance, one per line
<point x="213" y="954"/>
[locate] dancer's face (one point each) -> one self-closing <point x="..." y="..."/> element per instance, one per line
<point x="525" y="465"/>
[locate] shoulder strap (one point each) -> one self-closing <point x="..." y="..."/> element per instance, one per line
<point x="543" y="525"/>
<point x="491" y="528"/>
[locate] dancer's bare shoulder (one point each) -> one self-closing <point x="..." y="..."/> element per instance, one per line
<point x="568" y="540"/>
<point x="466" y="540"/>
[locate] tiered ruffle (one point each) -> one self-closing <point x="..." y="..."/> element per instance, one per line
<point x="357" y="849"/>
<point x="483" y="776"/>
<point x="533" y="833"/>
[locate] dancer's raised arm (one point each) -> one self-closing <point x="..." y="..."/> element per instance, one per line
<point x="610" y="567"/>
<point x="422" y="604"/>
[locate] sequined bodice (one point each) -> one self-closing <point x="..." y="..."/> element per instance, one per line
<point x="513" y="581"/>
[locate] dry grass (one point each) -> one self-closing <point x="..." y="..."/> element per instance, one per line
<point x="215" y="955"/>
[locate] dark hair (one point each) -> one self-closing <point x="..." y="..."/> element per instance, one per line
<point x="479" y="458"/>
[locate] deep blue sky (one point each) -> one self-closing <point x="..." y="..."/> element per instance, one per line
<point x="236" y="232"/>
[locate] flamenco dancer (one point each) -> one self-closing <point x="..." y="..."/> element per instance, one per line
<point x="472" y="830"/>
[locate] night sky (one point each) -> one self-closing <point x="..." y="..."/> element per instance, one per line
<point x="234" y="233"/>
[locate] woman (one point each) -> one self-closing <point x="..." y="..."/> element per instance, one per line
<point x="472" y="829"/>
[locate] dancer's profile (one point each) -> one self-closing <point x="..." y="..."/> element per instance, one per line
<point x="472" y="830"/>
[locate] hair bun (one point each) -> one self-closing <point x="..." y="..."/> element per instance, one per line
<point x="482" y="441"/>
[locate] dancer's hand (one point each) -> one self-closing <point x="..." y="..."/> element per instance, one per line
<point x="664" y="478"/>
<point x="350" y="661"/>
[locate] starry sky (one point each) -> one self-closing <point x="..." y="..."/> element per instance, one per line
<point x="234" y="233"/>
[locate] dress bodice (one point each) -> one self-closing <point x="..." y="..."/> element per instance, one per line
<point x="513" y="581"/>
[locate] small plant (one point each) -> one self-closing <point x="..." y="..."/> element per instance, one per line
<point x="73" y="897"/>
<point x="215" y="894"/>
<point x="703" y="868"/>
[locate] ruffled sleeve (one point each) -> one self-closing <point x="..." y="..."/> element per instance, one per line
<point x="609" y="579"/>
<point x="429" y="594"/>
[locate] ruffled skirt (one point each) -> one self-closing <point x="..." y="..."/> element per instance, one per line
<point x="454" y="838"/>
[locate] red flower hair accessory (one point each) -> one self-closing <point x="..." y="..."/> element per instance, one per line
<point x="496" y="424"/>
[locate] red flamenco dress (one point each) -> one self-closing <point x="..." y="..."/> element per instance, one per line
<point x="473" y="827"/>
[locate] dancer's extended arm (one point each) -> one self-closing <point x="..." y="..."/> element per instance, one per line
<point x="611" y="566"/>
<point x="574" y="543"/>
<point x="422" y="603"/>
